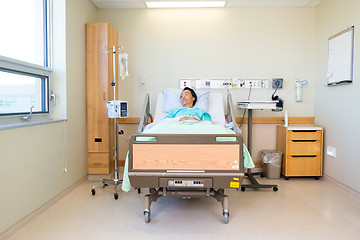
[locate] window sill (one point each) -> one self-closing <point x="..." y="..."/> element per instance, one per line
<point x="27" y="124"/>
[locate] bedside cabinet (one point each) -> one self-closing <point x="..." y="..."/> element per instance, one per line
<point x="302" y="148"/>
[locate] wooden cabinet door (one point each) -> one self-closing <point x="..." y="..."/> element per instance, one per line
<point x="97" y="77"/>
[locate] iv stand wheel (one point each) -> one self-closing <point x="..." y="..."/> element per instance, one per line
<point x="243" y="189"/>
<point x="116" y="196"/>
<point x="147" y="216"/>
<point x="93" y="192"/>
<point x="226" y="217"/>
<point x="275" y="189"/>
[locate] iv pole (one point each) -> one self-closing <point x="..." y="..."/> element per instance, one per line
<point x="115" y="181"/>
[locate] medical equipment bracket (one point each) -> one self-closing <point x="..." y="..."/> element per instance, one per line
<point x="116" y="181"/>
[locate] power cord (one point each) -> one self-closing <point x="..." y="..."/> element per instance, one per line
<point x="121" y="133"/>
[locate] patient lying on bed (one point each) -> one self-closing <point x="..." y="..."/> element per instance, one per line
<point x="188" y="99"/>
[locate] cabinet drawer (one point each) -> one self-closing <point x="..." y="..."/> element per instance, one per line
<point x="98" y="163"/>
<point x="303" y="166"/>
<point x="304" y="147"/>
<point x="304" y="135"/>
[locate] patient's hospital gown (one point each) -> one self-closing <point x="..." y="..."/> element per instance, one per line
<point x="192" y="112"/>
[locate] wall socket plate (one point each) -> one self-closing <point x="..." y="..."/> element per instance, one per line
<point x="331" y="151"/>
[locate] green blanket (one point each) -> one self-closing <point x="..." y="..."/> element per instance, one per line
<point x="173" y="126"/>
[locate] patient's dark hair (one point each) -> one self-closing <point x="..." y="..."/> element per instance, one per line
<point x="192" y="93"/>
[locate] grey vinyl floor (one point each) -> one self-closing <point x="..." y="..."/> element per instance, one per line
<point x="303" y="208"/>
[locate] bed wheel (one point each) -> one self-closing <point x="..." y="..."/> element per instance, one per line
<point x="226" y="217"/>
<point x="147" y="216"/>
<point x="243" y="189"/>
<point x="116" y="196"/>
<point x="317" y="178"/>
<point x="286" y="178"/>
<point x="275" y="189"/>
<point x="93" y="192"/>
<point x="262" y="175"/>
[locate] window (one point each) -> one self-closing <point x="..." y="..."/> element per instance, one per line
<point x="25" y="76"/>
<point x="21" y="92"/>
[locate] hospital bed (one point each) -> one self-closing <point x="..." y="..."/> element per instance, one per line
<point x="187" y="165"/>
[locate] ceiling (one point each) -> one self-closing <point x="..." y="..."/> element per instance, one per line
<point x="133" y="4"/>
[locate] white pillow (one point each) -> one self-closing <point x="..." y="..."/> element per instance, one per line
<point x="172" y="100"/>
<point x="216" y="108"/>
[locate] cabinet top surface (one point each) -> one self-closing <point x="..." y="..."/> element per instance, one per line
<point x="303" y="127"/>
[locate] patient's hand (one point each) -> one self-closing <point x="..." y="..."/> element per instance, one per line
<point x="188" y="118"/>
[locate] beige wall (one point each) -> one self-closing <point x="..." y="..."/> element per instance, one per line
<point x="336" y="108"/>
<point x="33" y="158"/>
<point x="165" y="45"/>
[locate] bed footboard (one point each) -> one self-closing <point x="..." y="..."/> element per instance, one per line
<point x="186" y="161"/>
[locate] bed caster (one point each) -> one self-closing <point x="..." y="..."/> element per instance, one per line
<point x="275" y="189"/>
<point x="317" y="178"/>
<point x="93" y="192"/>
<point x="116" y="196"/>
<point x="262" y="175"/>
<point x="243" y="189"/>
<point x="147" y="216"/>
<point x="226" y="217"/>
<point x="286" y="178"/>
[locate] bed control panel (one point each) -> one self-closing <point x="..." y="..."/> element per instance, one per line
<point x="183" y="182"/>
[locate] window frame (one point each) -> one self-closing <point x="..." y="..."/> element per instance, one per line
<point x="16" y="66"/>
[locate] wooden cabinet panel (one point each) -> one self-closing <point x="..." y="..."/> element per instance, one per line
<point x="99" y="75"/>
<point x="303" y="166"/>
<point x="98" y="163"/>
<point x="302" y="150"/>
<point x="304" y="135"/>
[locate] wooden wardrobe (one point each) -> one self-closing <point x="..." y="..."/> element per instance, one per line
<point x="99" y="75"/>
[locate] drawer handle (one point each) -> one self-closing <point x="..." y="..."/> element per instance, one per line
<point x="303" y="156"/>
<point x="303" y="140"/>
<point x="98" y="139"/>
<point x="303" y="130"/>
<point x="97" y="164"/>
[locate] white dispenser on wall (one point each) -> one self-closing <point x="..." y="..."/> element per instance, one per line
<point x="299" y="85"/>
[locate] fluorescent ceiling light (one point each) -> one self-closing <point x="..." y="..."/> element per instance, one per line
<point x="186" y="4"/>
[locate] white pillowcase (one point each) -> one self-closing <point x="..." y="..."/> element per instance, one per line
<point x="172" y="100"/>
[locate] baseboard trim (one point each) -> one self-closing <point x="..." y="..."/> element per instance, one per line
<point x="343" y="187"/>
<point x="26" y="220"/>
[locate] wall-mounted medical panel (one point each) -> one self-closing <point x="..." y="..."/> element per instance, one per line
<point x="225" y="83"/>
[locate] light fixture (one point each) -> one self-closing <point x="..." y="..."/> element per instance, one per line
<point x="186" y="4"/>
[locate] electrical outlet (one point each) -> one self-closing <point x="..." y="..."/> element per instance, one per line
<point x="331" y="151"/>
<point x="255" y="83"/>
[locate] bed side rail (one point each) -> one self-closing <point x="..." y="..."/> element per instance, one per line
<point x="230" y="114"/>
<point x="146" y="115"/>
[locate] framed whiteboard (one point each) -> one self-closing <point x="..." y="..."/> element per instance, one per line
<point x="341" y="55"/>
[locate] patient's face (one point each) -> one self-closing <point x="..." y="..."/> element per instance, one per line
<point x="187" y="99"/>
